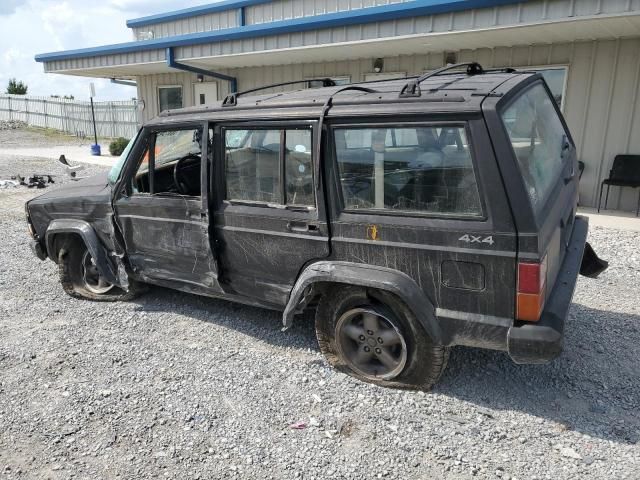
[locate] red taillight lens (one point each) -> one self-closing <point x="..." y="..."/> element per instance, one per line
<point x="531" y="286"/>
<point x="529" y="278"/>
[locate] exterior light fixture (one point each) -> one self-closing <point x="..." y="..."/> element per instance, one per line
<point x="200" y="78"/>
<point x="378" y="65"/>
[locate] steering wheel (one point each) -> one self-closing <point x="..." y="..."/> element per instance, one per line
<point x="186" y="184"/>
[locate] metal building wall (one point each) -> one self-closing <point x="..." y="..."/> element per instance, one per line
<point x="133" y="58"/>
<point x="529" y="13"/>
<point x="526" y="13"/>
<point x="266" y="12"/>
<point x="288" y="9"/>
<point x="200" y="23"/>
<point x="277" y="10"/>
<point x="602" y="104"/>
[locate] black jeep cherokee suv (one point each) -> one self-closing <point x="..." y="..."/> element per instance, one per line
<point x="413" y="214"/>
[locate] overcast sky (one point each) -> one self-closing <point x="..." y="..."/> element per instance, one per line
<point x="29" y="27"/>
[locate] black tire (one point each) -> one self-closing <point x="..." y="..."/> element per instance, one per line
<point x="423" y="362"/>
<point x="71" y="255"/>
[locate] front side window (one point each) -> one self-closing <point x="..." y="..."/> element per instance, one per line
<point x="172" y="145"/>
<point x="556" y="79"/>
<point x="170" y="98"/>
<point x="172" y="165"/>
<point x="272" y="166"/>
<point x="425" y="169"/>
<point x="538" y="139"/>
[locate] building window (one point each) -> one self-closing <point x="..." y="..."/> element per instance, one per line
<point x="170" y="97"/>
<point x="426" y="169"/>
<point x="556" y="78"/>
<point x="342" y="80"/>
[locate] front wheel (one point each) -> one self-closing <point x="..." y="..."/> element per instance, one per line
<point x="80" y="277"/>
<point x="373" y="336"/>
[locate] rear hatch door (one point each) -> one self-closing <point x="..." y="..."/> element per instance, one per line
<point x="537" y="158"/>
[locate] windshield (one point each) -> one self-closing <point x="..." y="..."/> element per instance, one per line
<point x="114" y="173"/>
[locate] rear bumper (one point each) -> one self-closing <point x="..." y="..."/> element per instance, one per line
<point x="542" y="341"/>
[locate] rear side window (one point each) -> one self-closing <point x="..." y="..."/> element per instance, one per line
<point x="424" y="169"/>
<point x="271" y="166"/>
<point x="537" y="137"/>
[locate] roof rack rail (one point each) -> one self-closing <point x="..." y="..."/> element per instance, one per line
<point x="231" y="100"/>
<point x="412" y="88"/>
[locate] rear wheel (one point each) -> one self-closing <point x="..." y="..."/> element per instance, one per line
<point x="373" y="336"/>
<point x="80" y="277"/>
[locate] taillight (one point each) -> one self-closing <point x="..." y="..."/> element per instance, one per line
<point x="531" y="290"/>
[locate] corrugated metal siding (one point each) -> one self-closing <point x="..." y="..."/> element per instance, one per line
<point x="602" y="102"/>
<point x="532" y="11"/>
<point x="288" y="9"/>
<point x="200" y="23"/>
<point x="147" y="56"/>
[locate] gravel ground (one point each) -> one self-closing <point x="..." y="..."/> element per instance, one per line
<point x="177" y="386"/>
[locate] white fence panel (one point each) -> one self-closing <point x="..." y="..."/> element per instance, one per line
<point x="113" y="119"/>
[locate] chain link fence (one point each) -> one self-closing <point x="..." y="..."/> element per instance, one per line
<point x="113" y="119"/>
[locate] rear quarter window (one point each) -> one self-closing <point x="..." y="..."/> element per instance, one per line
<point x="422" y="169"/>
<point x="537" y="136"/>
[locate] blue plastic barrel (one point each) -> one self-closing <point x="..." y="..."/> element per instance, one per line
<point x="95" y="150"/>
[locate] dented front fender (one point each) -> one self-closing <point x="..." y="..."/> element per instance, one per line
<point x="90" y="239"/>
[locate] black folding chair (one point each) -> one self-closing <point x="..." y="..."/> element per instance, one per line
<point x="624" y="173"/>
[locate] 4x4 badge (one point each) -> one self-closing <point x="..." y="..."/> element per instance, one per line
<point x="476" y="239"/>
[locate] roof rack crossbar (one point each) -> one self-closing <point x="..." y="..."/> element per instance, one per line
<point x="412" y="88"/>
<point x="231" y="100"/>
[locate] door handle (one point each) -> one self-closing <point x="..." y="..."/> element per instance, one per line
<point x="302" y="227"/>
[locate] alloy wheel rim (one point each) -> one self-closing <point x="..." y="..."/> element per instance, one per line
<point x="371" y="343"/>
<point x="93" y="281"/>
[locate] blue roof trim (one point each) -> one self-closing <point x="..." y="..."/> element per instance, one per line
<point x="222" y="6"/>
<point x="352" y="17"/>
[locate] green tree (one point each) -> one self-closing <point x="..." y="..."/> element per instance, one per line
<point x="17" y="88"/>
